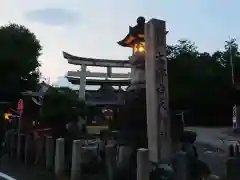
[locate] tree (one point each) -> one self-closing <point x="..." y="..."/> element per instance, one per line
<point x="61" y="105"/>
<point x="19" y="65"/>
<point x="199" y="82"/>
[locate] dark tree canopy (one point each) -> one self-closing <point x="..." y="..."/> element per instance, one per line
<point x="19" y="65"/>
<point x="61" y="105"/>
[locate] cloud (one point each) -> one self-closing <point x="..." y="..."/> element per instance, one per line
<point x="52" y="16"/>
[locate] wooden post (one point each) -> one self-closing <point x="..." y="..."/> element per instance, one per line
<point x="49" y="153"/>
<point x="111" y="161"/>
<point x="158" y="120"/>
<point x="76" y="160"/>
<point x="59" y="158"/>
<point x="143" y="164"/>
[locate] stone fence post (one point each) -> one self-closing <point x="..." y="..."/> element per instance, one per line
<point x="111" y="161"/>
<point x="124" y="153"/>
<point x="8" y="136"/>
<point x="13" y="145"/>
<point x="180" y="168"/>
<point x="59" y="158"/>
<point x="40" y="150"/>
<point x="29" y="149"/>
<point x="143" y="164"/>
<point x="76" y="160"/>
<point x="20" y="146"/>
<point x="49" y="153"/>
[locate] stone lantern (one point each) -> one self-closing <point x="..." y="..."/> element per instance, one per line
<point x="135" y="40"/>
<point x="133" y="114"/>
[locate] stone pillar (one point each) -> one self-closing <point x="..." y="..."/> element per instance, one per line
<point x="76" y="160"/>
<point x="81" y="93"/>
<point x="158" y="119"/>
<point x="49" y="153"/>
<point x="59" y="158"/>
<point x="143" y="165"/>
<point x="29" y="149"/>
<point x="111" y="161"/>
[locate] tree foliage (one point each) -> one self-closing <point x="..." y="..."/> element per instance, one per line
<point x="61" y="105"/>
<point x="19" y="65"/>
<point x="200" y="83"/>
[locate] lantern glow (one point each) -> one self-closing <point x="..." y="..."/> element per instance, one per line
<point x="139" y="47"/>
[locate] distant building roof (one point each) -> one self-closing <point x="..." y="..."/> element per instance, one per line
<point x="106" y="95"/>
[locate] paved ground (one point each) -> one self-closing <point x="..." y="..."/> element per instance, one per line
<point x="214" y="159"/>
<point x="23" y="172"/>
<point x="219" y="138"/>
<point x="212" y="145"/>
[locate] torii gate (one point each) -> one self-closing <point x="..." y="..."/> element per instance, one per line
<point x="80" y="77"/>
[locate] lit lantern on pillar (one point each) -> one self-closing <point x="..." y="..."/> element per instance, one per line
<point x="135" y="37"/>
<point x="135" y="96"/>
<point x="135" y="40"/>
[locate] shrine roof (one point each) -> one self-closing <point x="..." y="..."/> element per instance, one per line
<point x="105" y="95"/>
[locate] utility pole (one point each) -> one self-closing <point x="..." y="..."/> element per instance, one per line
<point x="231" y="62"/>
<point x="234" y="114"/>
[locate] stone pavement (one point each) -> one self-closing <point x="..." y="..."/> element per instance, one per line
<point x="212" y="146"/>
<point x="219" y="138"/>
<point x="213" y="158"/>
<point x="20" y="171"/>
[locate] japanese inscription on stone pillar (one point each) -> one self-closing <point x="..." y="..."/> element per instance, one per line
<point x="158" y="120"/>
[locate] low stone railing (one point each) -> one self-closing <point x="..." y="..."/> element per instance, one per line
<point x="46" y="152"/>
